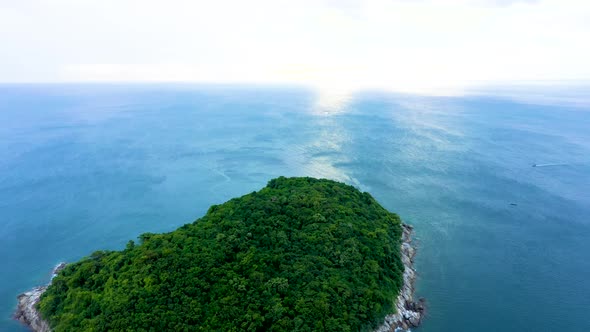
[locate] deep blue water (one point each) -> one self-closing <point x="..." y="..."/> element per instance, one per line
<point x="89" y="167"/>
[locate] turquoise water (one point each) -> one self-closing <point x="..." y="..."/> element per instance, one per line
<point x="502" y="245"/>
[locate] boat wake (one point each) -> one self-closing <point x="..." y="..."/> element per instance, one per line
<point x="547" y="165"/>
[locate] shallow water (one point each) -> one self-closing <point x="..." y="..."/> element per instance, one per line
<point x="502" y="245"/>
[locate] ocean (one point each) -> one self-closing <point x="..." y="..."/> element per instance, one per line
<point x="496" y="186"/>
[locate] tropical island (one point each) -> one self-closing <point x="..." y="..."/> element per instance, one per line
<point x="301" y="254"/>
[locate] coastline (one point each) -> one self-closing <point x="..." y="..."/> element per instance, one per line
<point x="409" y="313"/>
<point x="26" y="311"/>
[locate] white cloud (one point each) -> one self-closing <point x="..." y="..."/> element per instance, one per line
<point x="403" y="44"/>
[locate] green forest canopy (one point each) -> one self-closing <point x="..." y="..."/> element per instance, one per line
<point x="301" y="254"/>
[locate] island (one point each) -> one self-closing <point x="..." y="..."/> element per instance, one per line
<point x="301" y="254"/>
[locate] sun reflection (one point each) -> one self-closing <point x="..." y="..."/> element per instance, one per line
<point x="325" y="154"/>
<point x="331" y="101"/>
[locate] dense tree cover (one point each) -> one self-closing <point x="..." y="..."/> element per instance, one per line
<point x="301" y="254"/>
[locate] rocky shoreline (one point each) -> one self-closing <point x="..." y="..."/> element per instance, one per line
<point x="27" y="313"/>
<point x="409" y="313"/>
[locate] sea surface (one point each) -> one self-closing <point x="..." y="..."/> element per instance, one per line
<point x="503" y="245"/>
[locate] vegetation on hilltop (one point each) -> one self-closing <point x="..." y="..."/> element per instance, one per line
<point x="301" y="254"/>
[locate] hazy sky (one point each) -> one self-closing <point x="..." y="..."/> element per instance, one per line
<point x="353" y="43"/>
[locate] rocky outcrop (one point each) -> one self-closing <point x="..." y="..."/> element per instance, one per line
<point x="408" y="313"/>
<point x="26" y="310"/>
